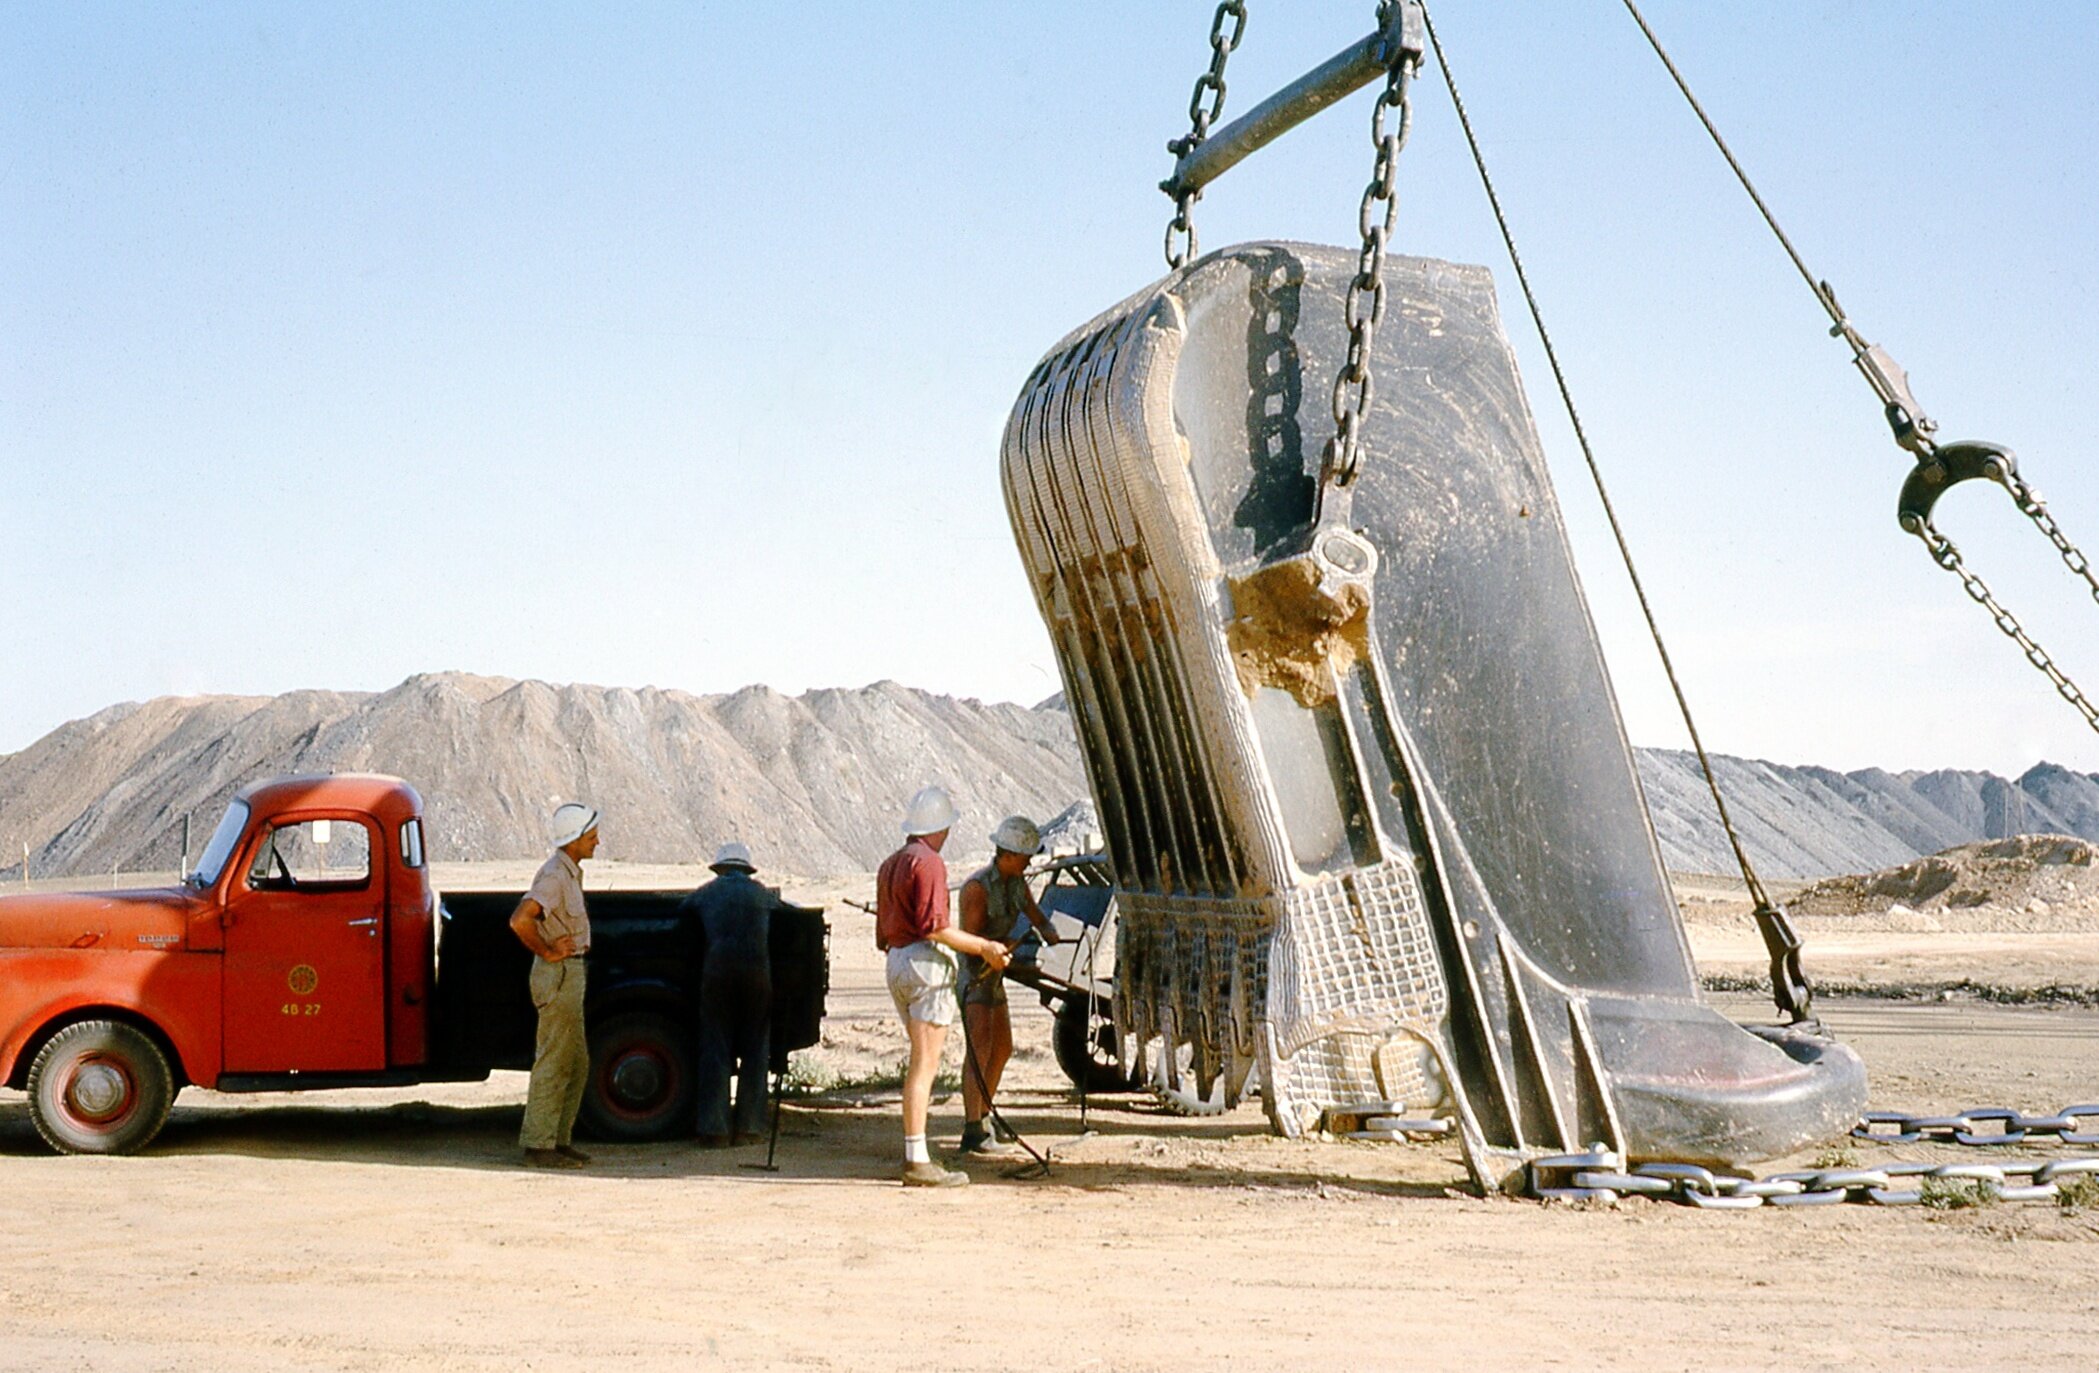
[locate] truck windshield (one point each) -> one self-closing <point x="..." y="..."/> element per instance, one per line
<point x="213" y="860"/>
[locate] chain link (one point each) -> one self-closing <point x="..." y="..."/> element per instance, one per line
<point x="1982" y="1125"/>
<point x="1205" y="107"/>
<point x="2032" y="507"/>
<point x="1365" y="306"/>
<point x="1947" y="556"/>
<point x="1601" y="1175"/>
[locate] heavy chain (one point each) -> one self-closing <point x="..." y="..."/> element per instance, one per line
<point x="1601" y="1175"/>
<point x="2031" y="506"/>
<point x="1949" y="557"/>
<point x="1205" y="107"/>
<point x="1981" y="1125"/>
<point x="1365" y="306"/>
<point x="1912" y="428"/>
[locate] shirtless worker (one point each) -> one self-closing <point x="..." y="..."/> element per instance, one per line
<point x="553" y="924"/>
<point x="993" y="900"/>
<point x="912" y="926"/>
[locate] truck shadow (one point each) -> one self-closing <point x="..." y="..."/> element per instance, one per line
<point x="821" y="1143"/>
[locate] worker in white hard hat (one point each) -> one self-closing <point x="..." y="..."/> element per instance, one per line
<point x="912" y="926"/>
<point x="551" y="921"/>
<point x="994" y="902"/>
<point x="731" y="920"/>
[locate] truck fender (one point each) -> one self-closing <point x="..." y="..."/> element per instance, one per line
<point x="17" y="1056"/>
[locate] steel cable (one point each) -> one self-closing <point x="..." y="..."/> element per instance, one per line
<point x="1779" y="938"/>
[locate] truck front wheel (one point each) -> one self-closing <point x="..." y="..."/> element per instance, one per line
<point x="100" y="1087"/>
<point x="641" y="1078"/>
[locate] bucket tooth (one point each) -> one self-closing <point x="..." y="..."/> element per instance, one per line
<point x="1374" y="822"/>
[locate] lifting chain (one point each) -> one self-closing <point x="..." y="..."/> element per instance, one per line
<point x="1938" y="467"/>
<point x="1205" y="107"/>
<point x="2031" y="506"/>
<point x="1365" y="306"/>
<point x="1949" y="557"/>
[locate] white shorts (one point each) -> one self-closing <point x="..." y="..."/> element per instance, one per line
<point x="922" y="983"/>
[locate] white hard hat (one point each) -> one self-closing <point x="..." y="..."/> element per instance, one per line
<point x="573" y="820"/>
<point x="1017" y="834"/>
<point x="734" y="854"/>
<point x="932" y="811"/>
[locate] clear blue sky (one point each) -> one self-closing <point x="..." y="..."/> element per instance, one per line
<point x="670" y="344"/>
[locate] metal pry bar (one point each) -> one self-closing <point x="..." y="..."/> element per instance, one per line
<point x="1340" y="76"/>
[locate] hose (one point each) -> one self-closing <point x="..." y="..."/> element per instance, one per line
<point x="1041" y="1165"/>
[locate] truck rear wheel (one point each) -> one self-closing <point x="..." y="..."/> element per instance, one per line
<point x="100" y="1087"/>
<point x="641" y="1078"/>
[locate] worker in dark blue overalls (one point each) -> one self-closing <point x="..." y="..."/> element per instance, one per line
<point x="733" y="913"/>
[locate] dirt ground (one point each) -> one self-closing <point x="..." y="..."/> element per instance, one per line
<point x="391" y="1229"/>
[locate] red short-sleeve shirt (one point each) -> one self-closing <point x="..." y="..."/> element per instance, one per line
<point x="910" y="895"/>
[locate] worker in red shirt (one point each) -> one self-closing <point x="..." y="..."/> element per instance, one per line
<point x="912" y="926"/>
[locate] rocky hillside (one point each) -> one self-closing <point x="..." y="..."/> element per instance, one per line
<point x="1810" y="821"/>
<point x="814" y="782"/>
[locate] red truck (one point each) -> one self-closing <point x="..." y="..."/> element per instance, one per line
<point x="310" y="949"/>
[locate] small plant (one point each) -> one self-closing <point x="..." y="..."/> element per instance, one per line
<point x="1957" y="1194"/>
<point x="1839" y="1156"/>
<point x="810" y="1076"/>
<point x="2079" y="1193"/>
<point x="807" y="1076"/>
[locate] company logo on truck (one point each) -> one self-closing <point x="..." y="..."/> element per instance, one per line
<point x="302" y="979"/>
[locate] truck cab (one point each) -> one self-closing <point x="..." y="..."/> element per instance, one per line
<point x="301" y="946"/>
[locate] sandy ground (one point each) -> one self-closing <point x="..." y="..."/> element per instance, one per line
<point x="390" y="1230"/>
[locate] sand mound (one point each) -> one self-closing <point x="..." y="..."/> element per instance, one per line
<point x="2029" y="881"/>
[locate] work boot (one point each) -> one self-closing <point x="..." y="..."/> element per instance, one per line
<point x="932" y="1175"/>
<point x="570" y="1151"/>
<point x="549" y="1158"/>
<point x="979" y="1141"/>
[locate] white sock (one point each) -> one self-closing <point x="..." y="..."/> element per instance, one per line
<point x="915" y="1149"/>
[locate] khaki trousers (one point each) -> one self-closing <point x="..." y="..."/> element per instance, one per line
<point x="561" y="1057"/>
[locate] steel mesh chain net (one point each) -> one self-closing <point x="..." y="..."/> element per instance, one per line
<point x="1354" y="968"/>
<point x="1330" y="991"/>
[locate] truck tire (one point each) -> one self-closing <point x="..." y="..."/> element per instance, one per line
<point x="642" y="1085"/>
<point x="100" y="1087"/>
<point x="1085" y="1043"/>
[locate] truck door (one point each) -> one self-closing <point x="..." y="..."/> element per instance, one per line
<point x="305" y="953"/>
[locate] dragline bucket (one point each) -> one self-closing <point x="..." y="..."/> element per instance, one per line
<point x="1373" y="818"/>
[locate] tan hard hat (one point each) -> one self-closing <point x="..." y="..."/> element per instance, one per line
<point x="1017" y="834"/>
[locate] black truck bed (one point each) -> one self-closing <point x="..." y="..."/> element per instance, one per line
<point x="645" y="964"/>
